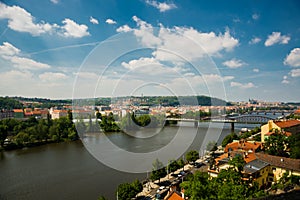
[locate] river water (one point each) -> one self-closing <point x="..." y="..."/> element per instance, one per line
<point x="70" y="171"/>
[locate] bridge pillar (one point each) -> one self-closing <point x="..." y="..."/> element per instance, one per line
<point x="232" y="127"/>
<point x="196" y="124"/>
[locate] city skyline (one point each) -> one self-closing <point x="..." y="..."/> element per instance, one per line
<point x="233" y="51"/>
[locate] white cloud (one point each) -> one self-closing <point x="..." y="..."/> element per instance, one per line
<point x="162" y="7"/>
<point x="133" y="64"/>
<point x="22" y="21"/>
<point x="185" y="42"/>
<point x="254" y="40"/>
<point x="93" y="20"/>
<point x="125" y="28"/>
<point x="87" y="75"/>
<point x="285" y="80"/>
<point x="241" y="85"/>
<point x="293" y="58"/>
<point x="255" y="16"/>
<point x="72" y="29"/>
<point x="54" y="1"/>
<point x="295" y="73"/>
<point x="275" y="38"/>
<point x="110" y="21"/>
<point x="27" y="63"/>
<point x="256" y="70"/>
<point x="8" y="49"/>
<point x="12" y="54"/>
<point x="51" y="76"/>
<point x="234" y="63"/>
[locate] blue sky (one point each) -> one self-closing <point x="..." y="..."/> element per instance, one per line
<point x="233" y="50"/>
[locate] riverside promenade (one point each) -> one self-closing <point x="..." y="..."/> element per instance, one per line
<point x="151" y="188"/>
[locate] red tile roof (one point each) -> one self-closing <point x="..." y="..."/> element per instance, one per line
<point x="288" y="123"/>
<point x="243" y="145"/>
<point x="174" y="196"/>
<point x="282" y="162"/>
<point x="18" y="110"/>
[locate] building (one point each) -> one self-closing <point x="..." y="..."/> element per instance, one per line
<point x="244" y="148"/>
<point x="257" y="171"/>
<point x="18" y="113"/>
<point x="5" y="114"/>
<point x="174" y="195"/>
<point x="56" y="114"/>
<point x="279" y="165"/>
<point x="287" y="127"/>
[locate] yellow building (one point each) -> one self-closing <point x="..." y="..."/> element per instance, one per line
<point x="288" y="127"/>
<point x="280" y="165"/>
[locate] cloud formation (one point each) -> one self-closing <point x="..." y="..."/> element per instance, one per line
<point x="189" y="43"/>
<point x="11" y="54"/>
<point x="93" y="20"/>
<point x="72" y="29"/>
<point x="241" y="85"/>
<point x="293" y="58"/>
<point x="234" y="63"/>
<point x="162" y="7"/>
<point x="254" y="40"/>
<point x="277" y="38"/>
<point x="22" y="21"/>
<point x="295" y="73"/>
<point x="110" y="21"/>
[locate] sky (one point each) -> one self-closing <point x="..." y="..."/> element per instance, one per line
<point x="233" y="50"/>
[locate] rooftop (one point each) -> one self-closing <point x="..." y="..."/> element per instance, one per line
<point x="288" y="123"/>
<point x="282" y="162"/>
<point x="254" y="166"/>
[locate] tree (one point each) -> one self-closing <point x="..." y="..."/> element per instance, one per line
<point x="229" y="138"/>
<point x="173" y="166"/>
<point x="192" y="156"/>
<point x="238" y="162"/>
<point x="158" y="170"/>
<point x="127" y="191"/>
<point x="3" y="134"/>
<point x="277" y="144"/>
<point x="294" y="141"/>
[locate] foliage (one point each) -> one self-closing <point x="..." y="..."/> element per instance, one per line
<point x="127" y="191"/>
<point x="228" y="139"/>
<point x="158" y="170"/>
<point x="294" y="141"/>
<point x="3" y="134"/>
<point x="277" y="144"/>
<point x="227" y="185"/>
<point x="238" y="162"/>
<point x="32" y="131"/>
<point x="108" y="124"/>
<point x="192" y="156"/>
<point x="101" y="198"/>
<point x="173" y="166"/>
<point x="9" y="103"/>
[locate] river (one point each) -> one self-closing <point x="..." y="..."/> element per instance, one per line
<point x="70" y="171"/>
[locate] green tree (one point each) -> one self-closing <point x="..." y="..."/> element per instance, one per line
<point x="3" y="134"/>
<point x="22" y="138"/>
<point x="173" y="166"/>
<point x="277" y="144"/>
<point x="192" y="156"/>
<point x="229" y="138"/>
<point x="125" y="191"/>
<point x="294" y="141"/>
<point x="158" y="171"/>
<point x="238" y="162"/>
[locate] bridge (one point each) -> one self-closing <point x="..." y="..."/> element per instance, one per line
<point x="250" y="118"/>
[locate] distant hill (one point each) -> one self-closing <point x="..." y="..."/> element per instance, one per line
<point x="9" y="103"/>
<point x="15" y="102"/>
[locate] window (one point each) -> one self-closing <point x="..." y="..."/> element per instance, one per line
<point x="274" y="168"/>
